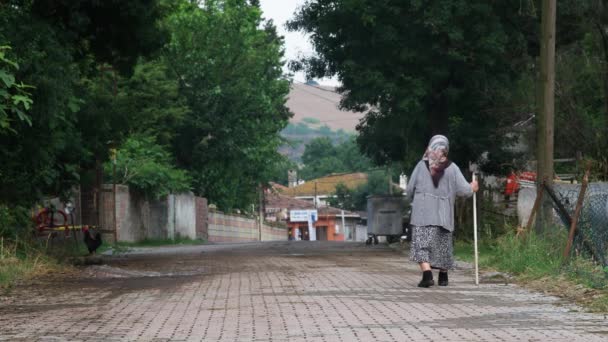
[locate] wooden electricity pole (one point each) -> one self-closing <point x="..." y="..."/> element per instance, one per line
<point x="261" y="211"/>
<point x="546" y="109"/>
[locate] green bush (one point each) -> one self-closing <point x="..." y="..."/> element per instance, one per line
<point x="15" y="100"/>
<point x="14" y="222"/>
<point x="148" y="168"/>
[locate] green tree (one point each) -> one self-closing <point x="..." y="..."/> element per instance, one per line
<point x="351" y="155"/>
<point x="228" y="63"/>
<point x="114" y="107"/>
<point x="356" y="199"/>
<point x="280" y="169"/>
<point x="59" y="46"/>
<point x="147" y="167"/>
<point x="151" y="100"/>
<point x="317" y="149"/>
<point x="419" y="68"/>
<point x="321" y="157"/>
<point x="116" y="32"/>
<point x="41" y="158"/>
<point x="15" y="99"/>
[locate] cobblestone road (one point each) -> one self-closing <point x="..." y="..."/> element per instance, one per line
<point x="285" y="291"/>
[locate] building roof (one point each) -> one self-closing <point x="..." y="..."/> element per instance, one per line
<point x="327" y="185"/>
<point x="331" y="211"/>
<point x="278" y="201"/>
<point x="278" y="187"/>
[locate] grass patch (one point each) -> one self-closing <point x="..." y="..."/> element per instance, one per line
<point x="162" y="242"/>
<point x="530" y="257"/>
<point x="22" y="261"/>
<point x="538" y="262"/>
<point x="464" y="250"/>
<point x="122" y="247"/>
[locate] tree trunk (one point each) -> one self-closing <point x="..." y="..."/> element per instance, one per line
<point x="602" y="27"/>
<point x="438" y="114"/>
<point x="602" y="30"/>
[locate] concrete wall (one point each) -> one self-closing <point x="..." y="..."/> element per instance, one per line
<point x="350" y="230"/>
<point x="130" y="213"/>
<point x="157" y="220"/>
<point x="180" y="215"/>
<point x="139" y="218"/>
<point x="360" y="233"/>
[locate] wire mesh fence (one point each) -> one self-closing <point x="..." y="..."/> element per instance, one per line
<point x="591" y="236"/>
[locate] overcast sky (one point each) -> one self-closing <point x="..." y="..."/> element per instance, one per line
<point x="280" y="11"/>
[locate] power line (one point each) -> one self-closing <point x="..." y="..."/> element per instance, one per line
<point x="317" y="87"/>
<point x="347" y="119"/>
<point x="332" y="101"/>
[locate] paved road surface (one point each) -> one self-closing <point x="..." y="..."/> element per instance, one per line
<point x="281" y="291"/>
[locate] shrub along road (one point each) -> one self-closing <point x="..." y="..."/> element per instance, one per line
<point x="281" y="291"/>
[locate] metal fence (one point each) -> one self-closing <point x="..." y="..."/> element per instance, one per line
<point x="592" y="224"/>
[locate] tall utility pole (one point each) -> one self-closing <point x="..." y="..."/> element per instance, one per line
<point x="315" y="199"/>
<point x="261" y="211"/>
<point x="546" y="109"/>
<point x="390" y="181"/>
<point x="113" y="152"/>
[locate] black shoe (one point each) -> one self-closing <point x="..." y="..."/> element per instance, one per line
<point x="443" y="279"/>
<point x="427" y="279"/>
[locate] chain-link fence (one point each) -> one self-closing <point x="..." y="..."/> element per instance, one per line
<point x="592" y="224"/>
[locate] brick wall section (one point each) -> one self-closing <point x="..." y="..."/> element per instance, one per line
<point x="273" y="233"/>
<point x="202" y="213"/>
<point x="231" y="228"/>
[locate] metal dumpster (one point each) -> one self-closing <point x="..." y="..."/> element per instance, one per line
<point x="385" y="217"/>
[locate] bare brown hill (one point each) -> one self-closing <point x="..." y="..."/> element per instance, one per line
<point x="320" y="103"/>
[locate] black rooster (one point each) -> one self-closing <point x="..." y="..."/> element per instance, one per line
<point x="92" y="242"/>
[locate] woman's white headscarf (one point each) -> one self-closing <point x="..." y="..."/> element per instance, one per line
<point x="437" y="156"/>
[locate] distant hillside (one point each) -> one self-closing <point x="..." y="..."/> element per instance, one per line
<point x="309" y="101"/>
<point x="298" y="135"/>
<point x="316" y="114"/>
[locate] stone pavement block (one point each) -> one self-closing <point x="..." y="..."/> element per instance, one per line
<point x="287" y="291"/>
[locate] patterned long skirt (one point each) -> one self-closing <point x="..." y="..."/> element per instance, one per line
<point x="434" y="245"/>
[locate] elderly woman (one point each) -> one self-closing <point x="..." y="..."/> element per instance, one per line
<point x="433" y="186"/>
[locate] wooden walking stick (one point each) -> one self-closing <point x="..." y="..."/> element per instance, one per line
<point x="475" y="234"/>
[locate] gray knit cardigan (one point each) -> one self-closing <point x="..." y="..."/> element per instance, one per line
<point x="435" y="206"/>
